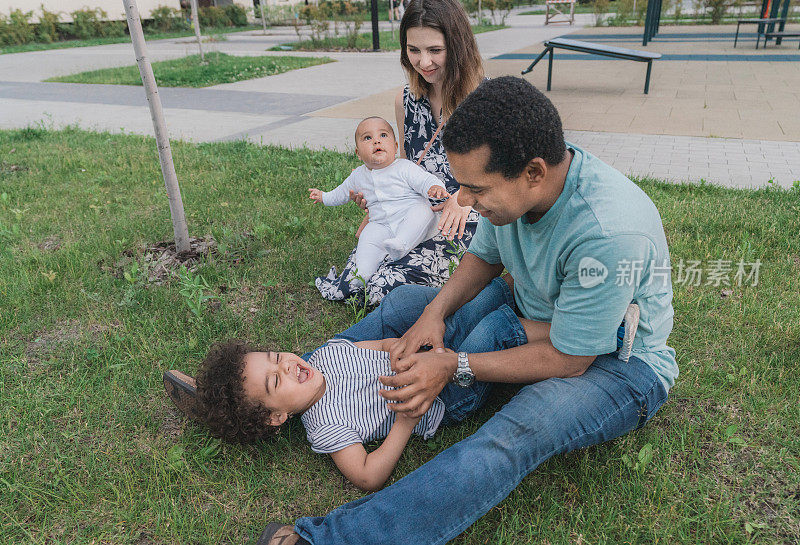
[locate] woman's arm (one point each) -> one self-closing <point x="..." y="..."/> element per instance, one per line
<point x="369" y="471"/>
<point x="400" y="115"/>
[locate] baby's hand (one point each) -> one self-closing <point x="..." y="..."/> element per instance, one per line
<point x="438" y="192"/>
<point x="315" y="194"/>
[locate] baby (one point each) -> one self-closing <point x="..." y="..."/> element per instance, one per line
<point x="248" y="394"/>
<point x="396" y="190"/>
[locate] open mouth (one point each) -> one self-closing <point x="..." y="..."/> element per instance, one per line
<point x="303" y="373"/>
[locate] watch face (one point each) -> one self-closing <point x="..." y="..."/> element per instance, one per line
<point x="464" y="379"/>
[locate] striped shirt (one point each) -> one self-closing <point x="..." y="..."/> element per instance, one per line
<point x="351" y="410"/>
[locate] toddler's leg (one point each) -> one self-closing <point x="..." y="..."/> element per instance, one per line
<point x="370" y="250"/>
<point x="411" y="231"/>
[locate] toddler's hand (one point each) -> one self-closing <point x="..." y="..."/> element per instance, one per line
<point x="438" y="192"/>
<point x="315" y="194"/>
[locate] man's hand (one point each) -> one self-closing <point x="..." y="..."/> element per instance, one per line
<point x="359" y="199"/>
<point x="438" y="192"/>
<point x="454" y="217"/>
<point x="427" y="330"/>
<point x="315" y="194"/>
<point x="428" y="373"/>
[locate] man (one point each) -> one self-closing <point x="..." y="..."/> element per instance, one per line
<point x="581" y="242"/>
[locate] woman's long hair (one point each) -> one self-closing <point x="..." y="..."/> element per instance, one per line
<point x="463" y="67"/>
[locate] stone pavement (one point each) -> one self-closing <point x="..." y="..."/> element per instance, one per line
<point x="732" y="122"/>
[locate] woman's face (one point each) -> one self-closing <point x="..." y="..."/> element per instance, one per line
<point x="426" y="52"/>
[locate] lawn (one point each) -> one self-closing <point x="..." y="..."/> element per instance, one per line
<point x="66" y="44"/>
<point x="389" y="40"/>
<point x="191" y="72"/>
<point x="92" y="451"/>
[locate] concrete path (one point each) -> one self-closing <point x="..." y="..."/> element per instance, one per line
<point x="320" y="106"/>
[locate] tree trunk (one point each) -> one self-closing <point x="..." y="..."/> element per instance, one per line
<point x="263" y="20"/>
<point x="196" y="23"/>
<point x="162" y="138"/>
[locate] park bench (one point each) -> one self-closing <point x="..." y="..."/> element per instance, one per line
<point x="762" y="25"/>
<point x="554" y="7"/>
<point x="778" y="36"/>
<point x="594" y="49"/>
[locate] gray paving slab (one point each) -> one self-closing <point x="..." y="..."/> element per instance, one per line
<point x="270" y="103"/>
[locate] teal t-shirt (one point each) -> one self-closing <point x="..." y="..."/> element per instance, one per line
<point x="599" y="248"/>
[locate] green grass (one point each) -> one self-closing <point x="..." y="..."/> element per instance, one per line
<point x="389" y="41"/>
<point x="190" y="72"/>
<point x="66" y="44"/>
<point x="92" y="451"/>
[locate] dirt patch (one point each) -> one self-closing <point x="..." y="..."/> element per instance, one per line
<point x="172" y="422"/>
<point x="8" y="168"/>
<point x="163" y="260"/>
<point x="46" y="342"/>
<point x="50" y="244"/>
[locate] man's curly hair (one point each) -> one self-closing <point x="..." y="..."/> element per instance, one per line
<point x="514" y="119"/>
<point x="220" y="390"/>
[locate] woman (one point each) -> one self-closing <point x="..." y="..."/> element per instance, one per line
<point x="443" y="65"/>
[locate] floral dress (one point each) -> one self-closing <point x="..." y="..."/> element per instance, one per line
<point x="432" y="261"/>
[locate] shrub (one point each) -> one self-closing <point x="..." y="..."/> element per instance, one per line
<point x="718" y="9"/>
<point x="599" y="9"/>
<point x="91" y="23"/>
<point x="16" y="28"/>
<point x="213" y="16"/>
<point x="166" y="18"/>
<point x="48" y="28"/>
<point x="236" y="14"/>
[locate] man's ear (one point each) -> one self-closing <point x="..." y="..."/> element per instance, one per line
<point x="277" y="418"/>
<point x="536" y="171"/>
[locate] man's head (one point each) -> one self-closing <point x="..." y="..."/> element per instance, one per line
<point x="375" y="142"/>
<point x="504" y="143"/>
<point x="247" y="394"/>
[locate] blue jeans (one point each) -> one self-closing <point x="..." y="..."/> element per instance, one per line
<point x="543" y="419"/>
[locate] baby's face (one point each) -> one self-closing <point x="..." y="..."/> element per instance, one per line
<point x="281" y="381"/>
<point x="375" y="143"/>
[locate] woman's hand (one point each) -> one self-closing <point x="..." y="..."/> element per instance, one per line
<point x="359" y="199"/>
<point x="454" y="217"/>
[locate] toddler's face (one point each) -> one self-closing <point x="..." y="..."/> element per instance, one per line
<point x="281" y="381"/>
<point x="375" y="143"/>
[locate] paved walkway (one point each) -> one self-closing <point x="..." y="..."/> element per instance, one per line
<point x="748" y="106"/>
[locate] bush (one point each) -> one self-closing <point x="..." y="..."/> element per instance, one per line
<point x="16" y="28"/>
<point x="213" y="16"/>
<point x="717" y="8"/>
<point x="166" y="18"/>
<point x="599" y="9"/>
<point x="236" y="14"/>
<point x="48" y="28"/>
<point x="91" y="23"/>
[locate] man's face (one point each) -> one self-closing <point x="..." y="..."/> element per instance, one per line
<point x="499" y="199"/>
<point x="375" y="143"/>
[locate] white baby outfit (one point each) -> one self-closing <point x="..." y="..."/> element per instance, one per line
<point x="351" y="410"/>
<point x="400" y="215"/>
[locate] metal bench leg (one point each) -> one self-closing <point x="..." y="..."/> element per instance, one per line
<point x="550" y="69"/>
<point x="647" y="78"/>
<point x="530" y="67"/>
<point x="736" y="39"/>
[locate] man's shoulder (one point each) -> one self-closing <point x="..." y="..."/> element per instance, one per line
<point x="607" y="203"/>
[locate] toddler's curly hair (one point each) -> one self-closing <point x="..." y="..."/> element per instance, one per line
<point x="220" y="390"/>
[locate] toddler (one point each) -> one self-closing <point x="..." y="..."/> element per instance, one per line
<point x="248" y="394"/>
<point x="396" y="190"/>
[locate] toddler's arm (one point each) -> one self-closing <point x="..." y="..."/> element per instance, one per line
<point x="422" y="181"/>
<point x="340" y="195"/>
<point x="369" y="471"/>
<point x="315" y="194"/>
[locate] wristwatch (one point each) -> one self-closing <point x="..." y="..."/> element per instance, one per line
<point x="463" y="376"/>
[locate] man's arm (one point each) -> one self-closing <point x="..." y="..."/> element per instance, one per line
<point x="369" y="471"/>
<point x="469" y="278"/>
<point x="428" y="373"/>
